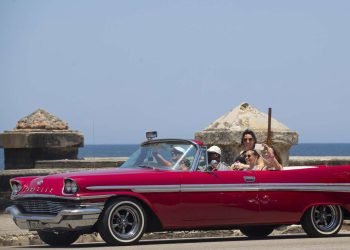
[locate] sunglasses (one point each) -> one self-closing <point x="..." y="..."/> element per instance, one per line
<point x="176" y="153"/>
<point x="214" y="154"/>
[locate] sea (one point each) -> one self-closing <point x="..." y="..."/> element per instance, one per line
<point x="120" y="150"/>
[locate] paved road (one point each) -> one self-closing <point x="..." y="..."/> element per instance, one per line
<point x="300" y="242"/>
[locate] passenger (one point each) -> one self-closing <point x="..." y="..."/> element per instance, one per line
<point x="252" y="157"/>
<point x="271" y="159"/>
<point x="248" y="141"/>
<point x="214" y="159"/>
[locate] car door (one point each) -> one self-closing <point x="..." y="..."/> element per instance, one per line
<point x="284" y="195"/>
<point x="218" y="198"/>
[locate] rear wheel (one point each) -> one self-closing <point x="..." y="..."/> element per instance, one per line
<point x="322" y="220"/>
<point x="123" y="222"/>
<point x="257" y="231"/>
<point x="58" y="239"/>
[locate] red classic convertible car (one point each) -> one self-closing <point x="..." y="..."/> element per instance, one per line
<point x="167" y="185"/>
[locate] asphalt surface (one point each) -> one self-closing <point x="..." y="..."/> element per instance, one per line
<point x="285" y="242"/>
<point x="12" y="236"/>
<point x="8" y="227"/>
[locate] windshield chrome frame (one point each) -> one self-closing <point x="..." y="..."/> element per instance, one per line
<point x="178" y="141"/>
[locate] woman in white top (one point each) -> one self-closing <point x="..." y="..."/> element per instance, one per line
<point x="252" y="158"/>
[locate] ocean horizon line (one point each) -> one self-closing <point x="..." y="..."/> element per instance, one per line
<point x="126" y="149"/>
<point x="109" y="144"/>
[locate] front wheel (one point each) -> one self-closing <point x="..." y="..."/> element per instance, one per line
<point x="322" y="220"/>
<point x="257" y="231"/>
<point x="58" y="239"/>
<point x="122" y="223"/>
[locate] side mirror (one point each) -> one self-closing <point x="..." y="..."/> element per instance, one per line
<point x="151" y="135"/>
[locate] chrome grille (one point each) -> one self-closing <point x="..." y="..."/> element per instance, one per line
<point x="41" y="206"/>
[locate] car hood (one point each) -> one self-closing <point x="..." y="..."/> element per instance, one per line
<point x="53" y="184"/>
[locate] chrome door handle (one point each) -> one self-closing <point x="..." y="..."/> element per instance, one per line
<point x="249" y="178"/>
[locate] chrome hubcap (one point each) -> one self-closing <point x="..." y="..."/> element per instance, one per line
<point x="325" y="217"/>
<point x="125" y="222"/>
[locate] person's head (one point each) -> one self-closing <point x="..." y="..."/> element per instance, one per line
<point x="176" y="153"/>
<point x="214" y="153"/>
<point x="248" y="139"/>
<point x="251" y="157"/>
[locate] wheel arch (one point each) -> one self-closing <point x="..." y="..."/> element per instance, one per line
<point x="153" y="221"/>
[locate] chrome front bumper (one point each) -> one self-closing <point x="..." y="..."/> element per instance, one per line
<point x="66" y="219"/>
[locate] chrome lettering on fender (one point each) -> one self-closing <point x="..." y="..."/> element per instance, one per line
<point x="37" y="189"/>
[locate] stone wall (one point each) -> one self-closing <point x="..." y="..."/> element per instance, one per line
<point x="318" y="160"/>
<point x="39" y="136"/>
<point x="226" y="132"/>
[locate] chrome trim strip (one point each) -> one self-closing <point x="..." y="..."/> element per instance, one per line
<point x="102" y="196"/>
<point x="219" y="187"/>
<point x="67" y="218"/>
<point x="140" y="188"/>
<point x="22" y="196"/>
<point x="50" y="196"/>
<point x="306" y="187"/>
<point x="300" y="187"/>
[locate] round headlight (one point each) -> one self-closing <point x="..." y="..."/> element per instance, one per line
<point x="16" y="187"/>
<point x="70" y="186"/>
<point x="74" y="187"/>
<point x="19" y="187"/>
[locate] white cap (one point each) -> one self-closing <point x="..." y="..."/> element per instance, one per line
<point x="180" y="149"/>
<point x="214" y="149"/>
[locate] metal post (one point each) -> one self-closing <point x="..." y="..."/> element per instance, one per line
<point x="269" y="135"/>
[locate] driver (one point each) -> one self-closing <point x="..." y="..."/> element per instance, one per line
<point x="176" y="154"/>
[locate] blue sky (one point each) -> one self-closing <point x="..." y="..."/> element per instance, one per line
<point x="114" y="69"/>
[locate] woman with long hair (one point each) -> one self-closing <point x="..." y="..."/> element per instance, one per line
<point x="248" y="142"/>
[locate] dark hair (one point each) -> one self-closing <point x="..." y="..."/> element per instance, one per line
<point x="248" y="132"/>
<point x="254" y="152"/>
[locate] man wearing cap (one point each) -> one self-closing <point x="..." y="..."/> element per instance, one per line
<point x="214" y="159"/>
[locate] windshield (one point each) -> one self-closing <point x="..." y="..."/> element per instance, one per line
<point x="164" y="155"/>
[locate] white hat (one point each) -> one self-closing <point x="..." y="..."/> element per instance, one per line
<point x="214" y="149"/>
<point x="180" y="149"/>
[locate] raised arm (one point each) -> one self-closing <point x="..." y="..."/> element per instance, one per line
<point x="270" y="158"/>
<point x="160" y="159"/>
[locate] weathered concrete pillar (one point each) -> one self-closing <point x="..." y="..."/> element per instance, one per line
<point x="226" y="132"/>
<point x="39" y="136"/>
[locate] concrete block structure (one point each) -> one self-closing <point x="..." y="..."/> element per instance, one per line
<point x="226" y="132"/>
<point x="39" y="136"/>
